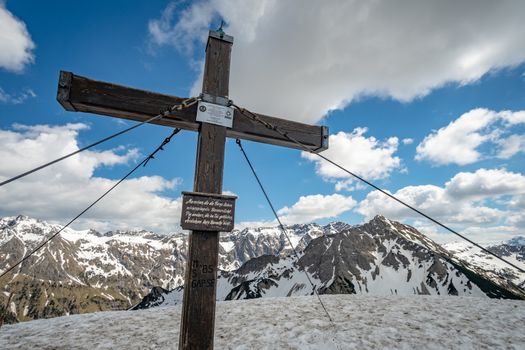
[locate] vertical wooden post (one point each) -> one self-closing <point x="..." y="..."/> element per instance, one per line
<point x="198" y="308"/>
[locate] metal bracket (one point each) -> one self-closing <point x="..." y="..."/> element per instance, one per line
<point x="219" y="34"/>
<point x="218" y="100"/>
<point x="325" y="136"/>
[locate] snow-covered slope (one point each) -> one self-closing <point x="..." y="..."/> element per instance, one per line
<point x="90" y="257"/>
<point x="102" y="255"/>
<point x="240" y="246"/>
<point x="381" y="257"/>
<point x="512" y="250"/>
<point x="360" y="322"/>
<point x="86" y="271"/>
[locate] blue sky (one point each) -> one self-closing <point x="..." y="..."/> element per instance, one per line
<point x="426" y="100"/>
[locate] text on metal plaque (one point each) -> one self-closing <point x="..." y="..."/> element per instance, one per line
<point x="207" y="212"/>
<point x="215" y="114"/>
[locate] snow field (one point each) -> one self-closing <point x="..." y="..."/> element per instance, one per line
<point x="361" y="322"/>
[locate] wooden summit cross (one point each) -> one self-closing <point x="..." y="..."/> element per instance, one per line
<point x="80" y="94"/>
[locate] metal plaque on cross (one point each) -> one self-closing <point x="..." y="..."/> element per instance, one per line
<point x="207" y="212"/>
<point x="215" y="114"/>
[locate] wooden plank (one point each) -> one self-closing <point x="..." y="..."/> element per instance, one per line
<point x="313" y="137"/>
<point x="64" y="89"/>
<point x="198" y="308"/>
<point x="77" y="93"/>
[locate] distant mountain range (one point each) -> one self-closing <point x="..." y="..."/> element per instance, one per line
<point x="86" y="271"/>
<point x="381" y="257"/>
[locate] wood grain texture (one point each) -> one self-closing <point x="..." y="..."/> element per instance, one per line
<point x="64" y="90"/>
<point x="198" y="307"/>
<point x="77" y="93"/>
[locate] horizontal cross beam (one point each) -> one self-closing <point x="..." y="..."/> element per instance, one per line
<point x="80" y="94"/>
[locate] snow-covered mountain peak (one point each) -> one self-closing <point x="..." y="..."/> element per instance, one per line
<point x="518" y="241"/>
<point x="258" y="231"/>
<point x="380" y="257"/>
<point x="20" y="222"/>
<point x="114" y="269"/>
<point x="138" y="234"/>
<point x="334" y="227"/>
<point x="26" y="229"/>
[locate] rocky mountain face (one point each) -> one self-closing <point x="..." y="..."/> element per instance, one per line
<point x="83" y="271"/>
<point x="381" y="257"/>
<point x="86" y="271"/>
<point x="239" y="247"/>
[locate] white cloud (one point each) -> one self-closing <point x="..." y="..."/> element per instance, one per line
<point x="516" y="218"/>
<point x="479" y="234"/>
<point x="464" y="202"/>
<point x="307" y="209"/>
<point x="492" y="235"/>
<point x="300" y="59"/>
<point x="255" y="224"/>
<point x="20" y="98"/>
<point x="511" y="145"/>
<point x="315" y="207"/>
<point x="60" y="192"/>
<point x="459" y="141"/>
<point x="518" y="201"/>
<point x="16" y="46"/>
<point x="431" y="200"/>
<point x="162" y="31"/>
<point x="349" y="185"/>
<point x="407" y="141"/>
<point x="485" y="183"/>
<point x="365" y="156"/>
<point x="513" y="118"/>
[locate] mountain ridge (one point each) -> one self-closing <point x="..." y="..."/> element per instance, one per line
<point x="381" y="257"/>
<point x="85" y="271"/>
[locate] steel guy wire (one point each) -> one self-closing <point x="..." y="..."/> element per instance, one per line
<point x="270" y="126"/>
<point x="165" y="113"/>
<point x="289" y="240"/>
<point x="281" y="226"/>
<point x="47" y="240"/>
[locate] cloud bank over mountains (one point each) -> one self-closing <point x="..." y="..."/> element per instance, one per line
<point x="487" y="201"/>
<point x="59" y="192"/>
<point x="479" y="200"/>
